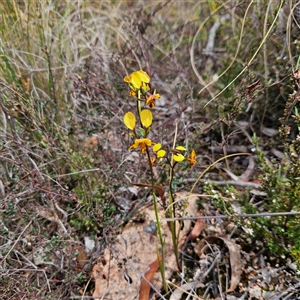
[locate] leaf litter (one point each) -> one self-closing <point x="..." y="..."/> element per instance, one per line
<point x="129" y="267"/>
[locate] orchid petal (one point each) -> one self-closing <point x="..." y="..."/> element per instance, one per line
<point x="156" y="147"/>
<point x="178" y="157"/>
<point x="192" y="158"/>
<point x="129" y="120"/>
<point x="136" y="81"/>
<point x="146" y="118"/>
<point x="143" y="76"/>
<point x="181" y="148"/>
<point x="161" y="153"/>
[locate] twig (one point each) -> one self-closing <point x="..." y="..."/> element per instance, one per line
<point x="235" y="215"/>
<point x="78" y="172"/>
<point x="292" y="289"/>
<point x="25" y="258"/>
<point x="27" y="270"/>
<point x="85" y="288"/>
<point x="82" y="297"/>
<point x="192" y="285"/>
<point x="229" y="182"/>
<point x="13" y="246"/>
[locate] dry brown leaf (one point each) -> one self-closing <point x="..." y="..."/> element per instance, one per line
<point x="97" y="273"/>
<point x="250" y="169"/>
<point x="81" y="256"/>
<point x="145" y="287"/>
<point x="197" y="229"/>
<point x="235" y="258"/>
<point x="119" y="272"/>
<point x="51" y="215"/>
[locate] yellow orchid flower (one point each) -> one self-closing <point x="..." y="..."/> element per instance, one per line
<point x="178" y="157"/>
<point x="181" y="148"/>
<point x="138" y="80"/>
<point x="156" y="147"/>
<point x="161" y="153"/>
<point x="143" y="75"/>
<point x="146" y="118"/>
<point x="142" y="143"/>
<point x="132" y="93"/>
<point x="192" y="158"/>
<point x="150" y="100"/>
<point x="129" y="120"/>
<point x="153" y="160"/>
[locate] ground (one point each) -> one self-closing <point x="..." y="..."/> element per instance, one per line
<point x="78" y="206"/>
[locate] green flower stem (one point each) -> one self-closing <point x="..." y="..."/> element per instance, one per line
<point x="139" y="107"/>
<point x="175" y="235"/>
<point x="159" y="231"/>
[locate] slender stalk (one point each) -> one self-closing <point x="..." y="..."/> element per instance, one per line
<point x="139" y="109"/>
<point x="258" y="215"/>
<point x="172" y="205"/>
<point x="172" y="209"/>
<point x="159" y="231"/>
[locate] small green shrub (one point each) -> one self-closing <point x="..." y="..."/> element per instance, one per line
<point x="280" y="180"/>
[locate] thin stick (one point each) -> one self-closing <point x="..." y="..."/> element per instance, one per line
<point x="235" y="215"/>
<point x="212" y="165"/>
<point x="245" y="184"/>
<point x="13" y="246"/>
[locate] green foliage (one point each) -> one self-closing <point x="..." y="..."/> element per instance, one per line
<point x="95" y="212"/>
<point x="281" y="183"/>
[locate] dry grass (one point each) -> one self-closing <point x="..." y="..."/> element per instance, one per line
<point x="65" y="169"/>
